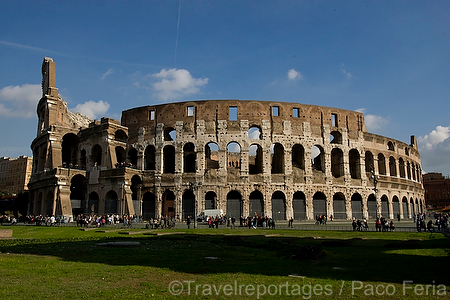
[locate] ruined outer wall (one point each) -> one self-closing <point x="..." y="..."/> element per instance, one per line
<point x="202" y="122"/>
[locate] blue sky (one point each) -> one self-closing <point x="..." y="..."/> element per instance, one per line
<point x="388" y="59"/>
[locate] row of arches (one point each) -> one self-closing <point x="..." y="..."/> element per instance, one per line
<point x="397" y="168"/>
<point x="281" y="208"/>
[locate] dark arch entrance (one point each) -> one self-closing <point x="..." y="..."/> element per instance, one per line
<point x="299" y="206"/>
<point x="256" y="204"/>
<point x="148" y="206"/>
<point x="278" y="206"/>
<point x="234" y="205"/>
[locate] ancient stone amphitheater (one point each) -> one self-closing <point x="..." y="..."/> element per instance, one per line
<point x="272" y="158"/>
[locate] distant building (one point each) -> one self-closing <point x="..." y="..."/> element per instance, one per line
<point x="437" y="190"/>
<point x="15" y="173"/>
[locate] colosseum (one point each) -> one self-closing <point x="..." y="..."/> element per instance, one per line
<point x="277" y="159"/>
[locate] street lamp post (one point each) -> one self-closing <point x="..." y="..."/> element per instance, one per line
<point x="375" y="179"/>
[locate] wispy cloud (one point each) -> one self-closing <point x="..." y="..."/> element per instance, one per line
<point x="373" y="122"/>
<point x="110" y="71"/>
<point x="176" y="83"/>
<point x="29" y="48"/>
<point x="294" y="75"/>
<point x="91" y="108"/>
<point x="20" y="100"/>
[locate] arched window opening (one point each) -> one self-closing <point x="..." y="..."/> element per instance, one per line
<point x="318" y="158"/>
<point x="170" y="134"/>
<point x="298" y="157"/>
<point x="169" y="159"/>
<point x="401" y="167"/>
<point x="233" y="156"/>
<point x="234" y="205"/>
<point x="212" y="156"/>
<point x="190" y="158"/>
<point x="255" y="159"/>
<point x="354" y="158"/>
<point x="188" y="205"/>
<point x="120" y="136"/>
<point x="396" y="207"/>
<point x="319" y="205"/>
<point x="278" y="206"/>
<point x="256" y="204"/>
<point x="120" y="155"/>
<point x="339" y="211"/>
<point x="372" y="206"/>
<point x="277" y="154"/>
<point x="111" y="203"/>
<point x="369" y="162"/>
<point x="408" y="170"/>
<point x="413" y="171"/>
<point x="392" y="166"/>
<point x="337" y="162"/>
<point x="405" y="207"/>
<point x="69" y="151"/>
<point x="148" y="206"/>
<point x="93" y="203"/>
<point x="335" y="137"/>
<point x="136" y="185"/>
<point x="390" y="146"/>
<point x="299" y="206"/>
<point x="97" y="155"/>
<point x="356" y="203"/>
<point x="381" y="164"/>
<point x="132" y="158"/>
<point x="254" y="133"/>
<point x="168" y="204"/>
<point x="150" y="158"/>
<point x="210" y="200"/>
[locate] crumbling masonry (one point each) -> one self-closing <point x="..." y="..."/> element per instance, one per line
<point x="274" y="158"/>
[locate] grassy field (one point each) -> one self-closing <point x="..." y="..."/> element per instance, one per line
<point x="67" y="263"/>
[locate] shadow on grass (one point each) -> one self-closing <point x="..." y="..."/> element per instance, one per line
<point x="374" y="259"/>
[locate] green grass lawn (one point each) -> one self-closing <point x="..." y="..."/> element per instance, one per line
<point x="67" y="263"/>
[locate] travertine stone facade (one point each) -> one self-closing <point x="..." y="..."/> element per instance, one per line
<point x="274" y="158"/>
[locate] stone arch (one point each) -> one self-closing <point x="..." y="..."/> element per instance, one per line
<point x="168" y="204"/>
<point x="148" y="206"/>
<point x="413" y="171"/>
<point x="212" y="155"/>
<point x="254" y="133"/>
<point x="211" y="200"/>
<point x="93" y="203"/>
<point x="357" y="206"/>
<point x="390" y="146"/>
<point x="170" y="134"/>
<point x="169" y="159"/>
<point x="111" y="202"/>
<point x="401" y="167"/>
<point x="354" y="164"/>
<point x="69" y="150"/>
<point x="372" y="207"/>
<point x="233" y="156"/>
<point x="49" y="202"/>
<point x="132" y="157"/>
<point x="136" y="185"/>
<point x="381" y="164"/>
<point x="277" y="156"/>
<point x="78" y="191"/>
<point x="319" y="204"/>
<point x="405" y="208"/>
<point x="150" y="158"/>
<point x="408" y="170"/>
<point x="385" y="207"/>
<point x="278" y="206"/>
<point x="188" y="205"/>
<point x="256" y="203"/>
<point x="120" y="136"/>
<point x="337" y="163"/>
<point x="255" y="159"/>
<point x="234" y="204"/>
<point x="318" y="158"/>
<point x="97" y="155"/>
<point x="392" y="167"/>
<point x="298" y="157"/>
<point x="369" y="161"/>
<point x="412" y="207"/>
<point x="335" y="137"/>
<point x="299" y="206"/>
<point x="120" y="155"/>
<point x="339" y="208"/>
<point x="189" y="158"/>
<point x="395" y="206"/>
